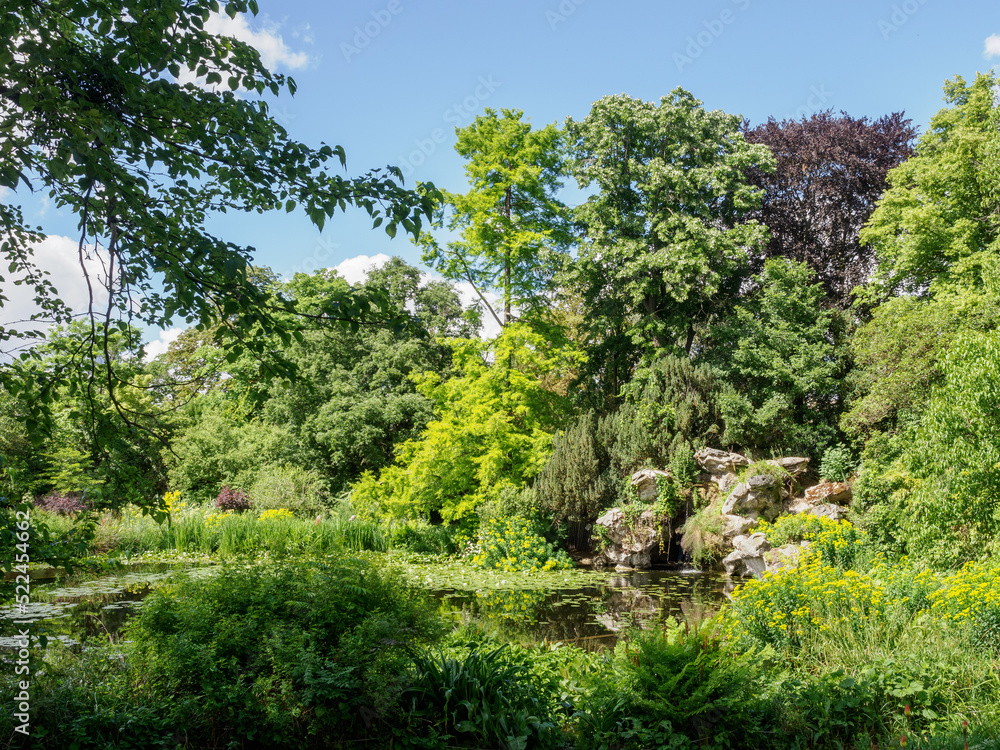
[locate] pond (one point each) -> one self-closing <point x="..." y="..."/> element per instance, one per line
<point x="583" y="607"/>
<point x="79" y="608"/>
<point x="593" y="615"/>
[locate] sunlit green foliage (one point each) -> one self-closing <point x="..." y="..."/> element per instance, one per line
<point x="937" y="221"/>
<point x="898" y="355"/>
<point x="494" y="428"/>
<point x="952" y="462"/>
<point x="512" y="229"/>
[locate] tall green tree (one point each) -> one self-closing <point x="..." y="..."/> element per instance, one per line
<point x="939" y="221"/>
<point x="666" y="240"/>
<point x="95" y="115"/>
<point x="781" y="358"/>
<point x="512" y="228"/>
<point x="925" y="483"/>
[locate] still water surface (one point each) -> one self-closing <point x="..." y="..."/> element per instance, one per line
<point x="588" y="609"/>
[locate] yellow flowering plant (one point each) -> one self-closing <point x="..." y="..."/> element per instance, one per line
<point x="970" y="598"/>
<point x="173" y="504"/>
<point x="779" y="608"/>
<point x="838" y="542"/>
<point x="275" y="513"/>
<point x="514" y="545"/>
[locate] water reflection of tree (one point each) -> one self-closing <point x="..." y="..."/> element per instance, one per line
<point x="588" y="616"/>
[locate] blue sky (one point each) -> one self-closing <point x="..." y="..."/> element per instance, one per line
<point x="390" y="79"/>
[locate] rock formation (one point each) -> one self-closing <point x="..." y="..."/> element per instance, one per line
<point x="644" y="481"/>
<point x="631" y="541"/>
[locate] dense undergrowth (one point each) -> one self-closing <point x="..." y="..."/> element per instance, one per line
<point x="337" y="650"/>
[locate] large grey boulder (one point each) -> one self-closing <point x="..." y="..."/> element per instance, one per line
<point x="631" y="542"/>
<point x="758" y="497"/>
<point x="747" y="559"/>
<point x="644" y="482"/>
<point x="794" y="465"/>
<point x="753" y="545"/>
<point x="720" y="463"/>
<point x="739" y="565"/>
<point x="733" y="526"/>
<point x="725" y="482"/>
<point x="826" y="499"/>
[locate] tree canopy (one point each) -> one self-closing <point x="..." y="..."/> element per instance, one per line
<point x="938" y="221"/>
<point x="830" y="172"/>
<point x="666" y="233"/>
<point x="512" y="228"/>
<point x="100" y="111"/>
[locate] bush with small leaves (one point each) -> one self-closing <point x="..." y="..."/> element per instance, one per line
<point x="63" y="503"/>
<point x="230" y="499"/>
<point x="837" y="463"/>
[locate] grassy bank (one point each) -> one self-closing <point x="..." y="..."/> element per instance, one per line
<point x="230" y="534"/>
<point x="341" y="650"/>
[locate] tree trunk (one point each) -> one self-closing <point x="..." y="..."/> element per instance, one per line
<point x="506" y="263"/>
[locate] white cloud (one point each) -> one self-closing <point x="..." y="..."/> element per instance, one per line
<point x="356" y="269"/>
<point x="469" y="297"/>
<point x="59" y="256"/>
<point x="273" y="50"/>
<point x="160" y="345"/>
<point x="274" y="53"/>
<point x="992" y="48"/>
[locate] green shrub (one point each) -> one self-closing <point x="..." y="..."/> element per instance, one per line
<point x="282" y="652"/>
<point x="260" y="656"/>
<point x="299" y="490"/>
<point x="484" y="698"/>
<point x="831" y="710"/>
<point x="672" y="688"/>
<point x="837" y="464"/>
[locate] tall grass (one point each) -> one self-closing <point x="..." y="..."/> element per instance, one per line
<point x="205" y="531"/>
